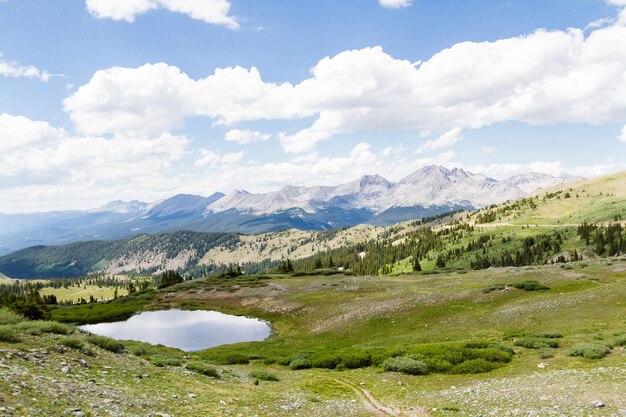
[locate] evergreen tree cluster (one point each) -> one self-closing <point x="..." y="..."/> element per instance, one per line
<point x="607" y="240"/>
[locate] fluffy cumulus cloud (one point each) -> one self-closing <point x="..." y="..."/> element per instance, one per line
<point x="210" y="11"/>
<point x="395" y="4"/>
<point x="622" y="135"/>
<point x="447" y="139"/>
<point x="35" y="155"/>
<point x="545" y="77"/>
<point x="15" y="70"/>
<point x="244" y="137"/>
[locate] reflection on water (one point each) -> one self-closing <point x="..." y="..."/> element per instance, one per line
<point x="186" y="330"/>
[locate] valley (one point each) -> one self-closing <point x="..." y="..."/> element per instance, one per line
<point x="513" y="309"/>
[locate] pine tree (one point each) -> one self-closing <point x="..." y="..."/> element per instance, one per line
<point x="416" y="264"/>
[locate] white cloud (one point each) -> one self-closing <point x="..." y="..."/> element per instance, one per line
<point x="622" y="135"/>
<point x="210" y="11"/>
<point x="244" y="137"/>
<point x="488" y="150"/>
<point x="232" y="157"/>
<point x="45" y="168"/>
<point x="447" y="139"/>
<point x="18" y="131"/>
<point x="394" y="4"/>
<point x="303" y="141"/>
<point x="15" y="70"/>
<point x="35" y="154"/>
<point x="555" y="168"/>
<point x="546" y="77"/>
<point x="208" y="157"/>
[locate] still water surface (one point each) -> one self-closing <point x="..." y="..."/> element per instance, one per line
<point x="186" y="330"/>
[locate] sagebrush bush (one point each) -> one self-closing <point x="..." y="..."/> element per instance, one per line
<point x="9" y="316"/>
<point x="264" y="375"/>
<point x="405" y="365"/>
<point x="590" y="350"/>
<point x="106" y="343"/>
<point x="474" y="366"/>
<point x="72" y="342"/>
<point x="300" y="364"/>
<point x="9" y="335"/>
<point x="203" y="368"/>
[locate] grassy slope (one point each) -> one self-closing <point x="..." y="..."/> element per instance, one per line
<point x="596" y="201"/>
<point x="331" y="314"/>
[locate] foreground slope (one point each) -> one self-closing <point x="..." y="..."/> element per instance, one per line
<point x="324" y="316"/>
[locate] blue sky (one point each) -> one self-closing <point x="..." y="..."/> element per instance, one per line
<point x="142" y="99"/>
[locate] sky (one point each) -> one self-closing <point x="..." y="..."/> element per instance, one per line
<point x="142" y="99"/>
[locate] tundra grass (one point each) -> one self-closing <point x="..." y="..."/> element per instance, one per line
<point x="407" y="315"/>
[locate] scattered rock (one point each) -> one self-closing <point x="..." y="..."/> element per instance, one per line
<point x="191" y="395"/>
<point x="598" y="404"/>
<point x="542" y="365"/>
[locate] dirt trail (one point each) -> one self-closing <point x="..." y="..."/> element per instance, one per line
<point x="374" y="406"/>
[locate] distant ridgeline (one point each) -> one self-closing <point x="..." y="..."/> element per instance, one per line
<point x="576" y="222"/>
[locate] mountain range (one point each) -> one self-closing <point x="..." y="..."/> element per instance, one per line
<point x="370" y="199"/>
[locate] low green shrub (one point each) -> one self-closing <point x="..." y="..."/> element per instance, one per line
<point x="620" y="340"/>
<point x="203" y="368"/>
<point x="106" y="343"/>
<point x="235" y="359"/>
<point x="405" y="365"/>
<point x="530" y="285"/>
<point x="356" y="359"/>
<point x="9" y="335"/>
<point x="492" y="288"/>
<point x="72" y="342"/>
<point x="537" y="343"/>
<point x="264" y="375"/>
<point x="493" y="355"/>
<point x="163" y="361"/>
<point x="474" y="366"/>
<point x="140" y="350"/>
<point x="590" y="350"/>
<point x="327" y="361"/>
<point x="37" y="327"/>
<point x="9" y="316"/>
<point x="549" y="335"/>
<point x="546" y="353"/>
<point x="437" y="365"/>
<point x="300" y="364"/>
